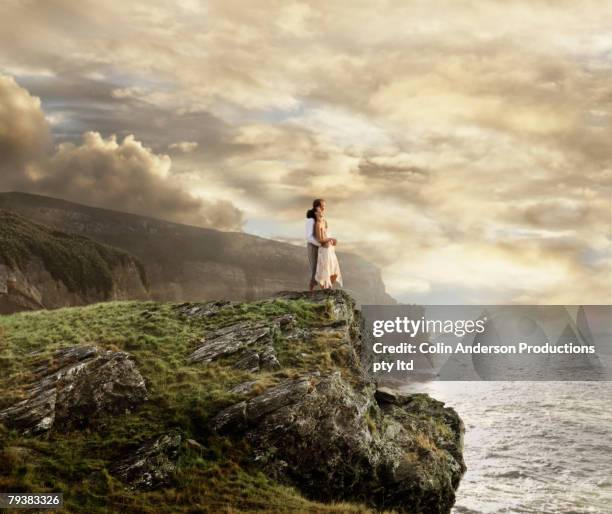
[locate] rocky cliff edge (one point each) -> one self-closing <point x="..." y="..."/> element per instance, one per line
<point x="219" y="405"/>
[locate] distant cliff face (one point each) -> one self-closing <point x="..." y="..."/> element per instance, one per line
<point x="45" y="268"/>
<point x="185" y="263"/>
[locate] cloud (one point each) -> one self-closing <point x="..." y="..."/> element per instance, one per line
<point x="184" y="146"/>
<point x="383" y="168"/>
<point x="24" y="132"/>
<point x="554" y="213"/>
<point x="98" y="171"/>
<point x="105" y="172"/>
<point x="466" y="153"/>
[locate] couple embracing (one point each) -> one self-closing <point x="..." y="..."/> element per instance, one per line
<point x="324" y="267"/>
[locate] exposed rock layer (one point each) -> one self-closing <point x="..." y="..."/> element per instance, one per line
<point x="152" y="465"/>
<point x="77" y="386"/>
<point x="33" y="287"/>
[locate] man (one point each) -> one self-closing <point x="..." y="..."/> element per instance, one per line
<point x="312" y="244"/>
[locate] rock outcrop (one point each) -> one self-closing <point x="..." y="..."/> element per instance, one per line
<point x="44" y="268"/>
<point x="152" y="465"/>
<point x="253" y="341"/>
<point x="336" y="437"/>
<point x="334" y="440"/>
<point x="75" y="387"/>
<point x="185" y="263"/>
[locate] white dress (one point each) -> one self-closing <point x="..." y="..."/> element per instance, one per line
<point x="327" y="266"/>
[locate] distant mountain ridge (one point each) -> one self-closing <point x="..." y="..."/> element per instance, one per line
<point x="187" y="263"/>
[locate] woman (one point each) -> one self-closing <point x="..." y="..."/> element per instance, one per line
<point x="328" y="269"/>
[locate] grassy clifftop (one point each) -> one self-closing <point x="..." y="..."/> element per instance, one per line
<point x="182" y="395"/>
<point x="80" y="263"/>
<point x="214" y="472"/>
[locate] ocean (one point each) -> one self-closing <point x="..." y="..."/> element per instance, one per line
<point x="532" y="447"/>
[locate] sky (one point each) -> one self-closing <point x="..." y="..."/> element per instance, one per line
<point x="464" y="147"/>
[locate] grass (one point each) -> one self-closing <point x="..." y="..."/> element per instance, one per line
<point x="220" y="478"/>
<point x="82" y="264"/>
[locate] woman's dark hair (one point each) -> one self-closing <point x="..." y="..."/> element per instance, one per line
<point x="310" y="213"/>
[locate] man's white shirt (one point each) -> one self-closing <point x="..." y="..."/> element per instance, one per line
<point x="310" y="238"/>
